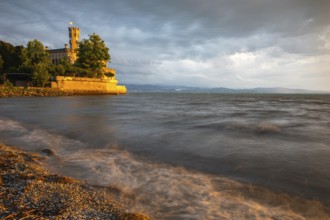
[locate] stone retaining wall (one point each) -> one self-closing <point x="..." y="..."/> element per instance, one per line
<point x="106" y="85"/>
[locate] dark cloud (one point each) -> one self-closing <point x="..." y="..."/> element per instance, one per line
<point x="184" y="22"/>
<point x="147" y="35"/>
<point x="231" y="18"/>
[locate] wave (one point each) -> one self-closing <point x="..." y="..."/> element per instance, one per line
<point x="244" y="128"/>
<point x="169" y="192"/>
<point x="10" y="125"/>
<point x="268" y="128"/>
<point x="34" y="138"/>
<point x="162" y="190"/>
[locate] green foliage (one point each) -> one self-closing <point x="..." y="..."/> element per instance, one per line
<point x="37" y="62"/>
<point x="1" y="69"/>
<point x="20" y="55"/>
<point x="8" y="84"/>
<point x="1" y="62"/>
<point x="22" y="69"/>
<point x="109" y="74"/>
<point x="40" y="74"/>
<point x="64" y="68"/>
<point x="11" y="56"/>
<point x="93" y="56"/>
<point x="60" y="69"/>
<point x="65" y="62"/>
<point x="36" y="54"/>
<point x="7" y="52"/>
<point x="69" y="70"/>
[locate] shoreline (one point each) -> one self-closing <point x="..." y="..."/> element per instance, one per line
<point x="28" y="190"/>
<point x="6" y="92"/>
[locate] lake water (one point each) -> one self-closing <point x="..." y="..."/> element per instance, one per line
<point x="186" y="156"/>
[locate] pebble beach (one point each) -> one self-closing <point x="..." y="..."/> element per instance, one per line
<point x="29" y="191"/>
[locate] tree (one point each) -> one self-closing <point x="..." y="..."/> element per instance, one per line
<point x="69" y="70"/>
<point x="1" y="63"/>
<point x="37" y="62"/>
<point x="60" y="70"/>
<point x="20" y="54"/>
<point x="35" y="53"/>
<point x="93" y="55"/>
<point x="11" y="56"/>
<point x="1" y="69"/>
<point x="40" y="74"/>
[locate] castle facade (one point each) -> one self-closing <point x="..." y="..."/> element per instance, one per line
<point x="106" y="84"/>
<point x="69" y="53"/>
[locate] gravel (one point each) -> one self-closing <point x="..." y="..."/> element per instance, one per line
<point x="29" y="191"/>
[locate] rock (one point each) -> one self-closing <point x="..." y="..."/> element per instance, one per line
<point x="48" y="152"/>
<point x="135" y="216"/>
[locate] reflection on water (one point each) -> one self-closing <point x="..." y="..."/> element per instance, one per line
<point x="181" y="155"/>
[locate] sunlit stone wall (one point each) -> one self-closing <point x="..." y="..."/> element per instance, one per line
<point x="104" y="85"/>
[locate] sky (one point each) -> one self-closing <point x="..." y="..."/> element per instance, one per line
<point x="209" y="43"/>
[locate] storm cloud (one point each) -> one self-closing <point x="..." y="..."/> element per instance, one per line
<point x="211" y="43"/>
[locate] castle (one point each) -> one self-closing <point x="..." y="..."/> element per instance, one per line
<point x="95" y="85"/>
<point x="71" y="53"/>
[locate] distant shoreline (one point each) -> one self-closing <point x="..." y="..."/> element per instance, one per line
<point x="44" y="92"/>
<point x="28" y="190"/>
<point x="219" y="90"/>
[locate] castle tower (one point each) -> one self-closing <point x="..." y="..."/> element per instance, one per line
<point x="74" y="34"/>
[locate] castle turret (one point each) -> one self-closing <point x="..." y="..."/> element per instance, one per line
<point x="74" y="34"/>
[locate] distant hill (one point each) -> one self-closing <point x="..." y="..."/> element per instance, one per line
<point x="186" y="89"/>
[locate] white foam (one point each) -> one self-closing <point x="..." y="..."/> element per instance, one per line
<point x="266" y="127"/>
<point x="36" y="138"/>
<point x="164" y="191"/>
<point x="10" y="125"/>
<point x="168" y="192"/>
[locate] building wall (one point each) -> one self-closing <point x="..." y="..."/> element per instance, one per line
<point x="56" y="57"/>
<point x="74" y="34"/>
<point x="106" y="85"/>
